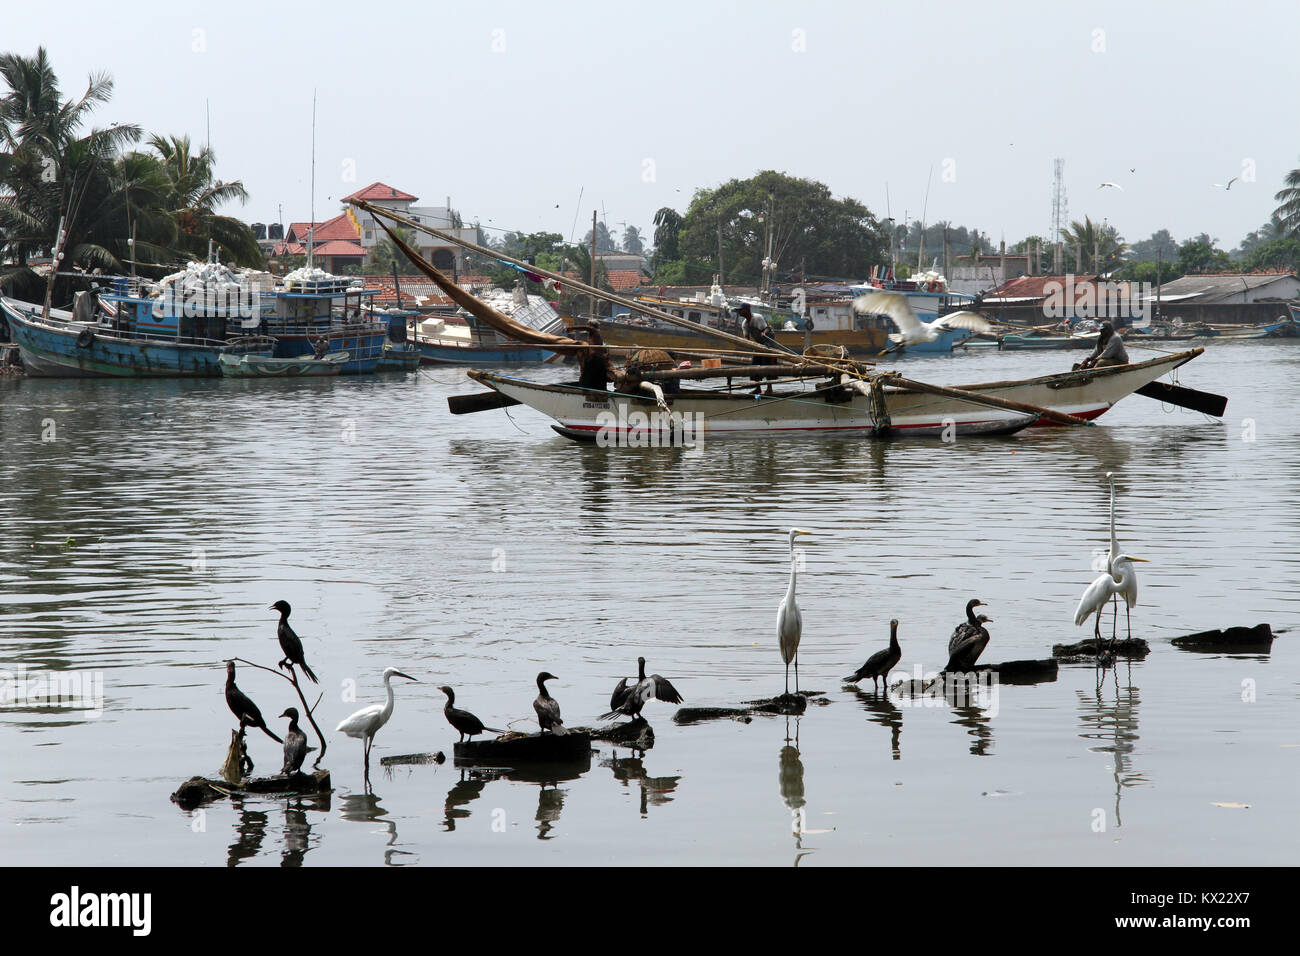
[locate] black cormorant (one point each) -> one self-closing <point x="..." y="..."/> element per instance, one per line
<point x="295" y="743"/>
<point x="466" y="724"/>
<point x="879" y="664"/>
<point x="547" y="707"/>
<point x="968" y="640"/>
<point x="242" y="707"/>
<point x="628" y="699"/>
<point x="290" y="643"/>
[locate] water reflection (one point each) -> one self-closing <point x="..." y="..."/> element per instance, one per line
<point x="464" y="792"/>
<point x="654" y="791"/>
<point x="297" y="827"/>
<point x="365" y="808"/>
<point x="790" y="777"/>
<point x="885" y="712"/>
<point x="250" y="830"/>
<point x="1109" y="717"/>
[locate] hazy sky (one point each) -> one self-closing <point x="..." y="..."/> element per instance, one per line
<point x="513" y="108"/>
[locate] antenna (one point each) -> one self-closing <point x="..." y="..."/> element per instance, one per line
<point x="311" y="230"/>
<point x="1060" y="207"/>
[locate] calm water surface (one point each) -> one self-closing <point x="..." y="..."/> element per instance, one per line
<point x="145" y="541"/>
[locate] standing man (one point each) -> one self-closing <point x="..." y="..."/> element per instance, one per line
<point x="756" y="329"/>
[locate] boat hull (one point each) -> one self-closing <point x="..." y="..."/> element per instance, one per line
<point x="860" y="343"/>
<point x="433" y="354"/>
<point x="593" y="415"/>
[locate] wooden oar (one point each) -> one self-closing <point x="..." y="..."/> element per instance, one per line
<point x="1184" y="397"/>
<point x="991" y="400"/>
<point x="479" y="402"/>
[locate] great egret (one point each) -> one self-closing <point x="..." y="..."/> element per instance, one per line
<point x="365" y="723"/>
<point x="968" y="640"/>
<point x="911" y="330"/>
<point x="1120" y="579"/>
<point x="789" y="622"/>
<point x="290" y="643"/>
<point x="295" y="743"/>
<point x="242" y="707"/>
<point x="547" y="707"/>
<point x="628" y="699"/>
<point x="466" y="724"/>
<point x="880" y="663"/>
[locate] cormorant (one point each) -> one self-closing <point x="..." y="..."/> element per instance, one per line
<point x="968" y="640"/>
<point x="365" y="723"/>
<point x="290" y="643"/>
<point x="879" y="664"/>
<point x="789" y="623"/>
<point x="547" y="707"/>
<point x="628" y="699"/>
<point x="242" y="707"/>
<point x="466" y="724"/>
<point x="295" y="743"/>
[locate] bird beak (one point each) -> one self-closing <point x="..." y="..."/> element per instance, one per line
<point x="407" y="676"/>
<point x="1143" y="560"/>
<point x="988" y="620"/>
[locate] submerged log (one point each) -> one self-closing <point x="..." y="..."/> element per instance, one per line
<point x="787" y="704"/>
<point x="525" y="748"/>
<point x="199" y="790"/>
<point x="1023" y="672"/>
<point x="1129" y="647"/>
<point x="636" y="734"/>
<point x="399" y="760"/>
<point x="1239" y="639"/>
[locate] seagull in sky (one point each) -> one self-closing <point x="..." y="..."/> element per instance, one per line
<point x="1112" y="185"/>
<point x="1227" y="187"/>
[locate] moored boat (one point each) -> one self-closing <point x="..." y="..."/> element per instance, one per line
<point x="266" y="366"/>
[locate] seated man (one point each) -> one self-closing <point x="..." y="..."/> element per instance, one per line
<point x="1109" y="350"/>
<point x="593" y="362"/>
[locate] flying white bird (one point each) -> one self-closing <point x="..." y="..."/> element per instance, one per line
<point x="1112" y="186"/>
<point x="911" y="330"/>
<point x="1229" y="186"/>
<point x="365" y="723"/>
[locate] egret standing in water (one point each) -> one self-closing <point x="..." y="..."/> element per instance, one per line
<point x="789" y="622"/>
<point x="366" y="722"/>
<point x="968" y="640"/>
<point x="295" y="743"/>
<point x="547" y="707"/>
<point x="242" y="707"/>
<point x="879" y="664"/>
<point x="1121" y="579"/>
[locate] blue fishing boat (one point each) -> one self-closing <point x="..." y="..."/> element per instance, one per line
<point x="313" y="311"/>
<point x="461" y="339"/>
<point x="149" y="340"/>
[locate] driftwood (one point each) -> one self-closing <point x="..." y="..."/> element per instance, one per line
<point x="402" y="760"/>
<point x="199" y="790"/>
<point x="1023" y="672"/>
<point x="636" y="734"/>
<point x="1129" y="647"/>
<point x="1239" y="639"/>
<point x="788" y="704"/>
<point x="514" y="749"/>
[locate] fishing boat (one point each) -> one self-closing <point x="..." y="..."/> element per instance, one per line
<point x="460" y="339"/>
<point x="266" y="366"/>
<point x="310" y="309"/>
<point x="836" y="405"/>
<point x="1284" y="326"/>
<point x="146" y="341"/>
<point x="1044" y="339"/>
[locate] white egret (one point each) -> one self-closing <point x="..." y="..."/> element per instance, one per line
<point x="968" y="640"/>
<point x="1120" y="579"/>
<point x="628" y="699"/>
<point x="366" y="722"/>
<point x="879" y="664"/>
<point x="911" y="330"/>
<point x="789" y="622"/>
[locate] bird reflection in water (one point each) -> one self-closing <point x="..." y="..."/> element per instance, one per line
<point x="297" y="827"/>
<point x="1113" y="726"/>
<point x="655" y="791"/>
<point x="365" y="808"/>
<point x="792" y="792"/>
<point x="885" y="712"/>
<point x="249" y="833"/>
<point x="464" y="792"/>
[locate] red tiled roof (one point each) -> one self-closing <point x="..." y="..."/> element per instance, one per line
<point x="378" y="192"/>
<point x="340" y="227"/>
<point x="621" y="279"/>
<point x="1032" y="287"/>
<point x="339" y="247"/>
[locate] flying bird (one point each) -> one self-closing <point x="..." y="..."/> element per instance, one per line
<point x="367" y="721"/>
<point x="789" y="622"/>
<point x="1229" y="186"/>
<point x="968" y="640"/>
<point x="242" y="707"/>
<point x="1112" y="186"/>
<point x="911" y="330"/>
<point x="628" y="699"/>
<point x="879" y="664"/>
<point x="290" y="643"/>
<point x="547" y="707"/>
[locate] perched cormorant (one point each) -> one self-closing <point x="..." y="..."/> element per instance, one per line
<point x="365" y="723"/>
<point x="628" y="699"/>
<point x="879" y="664"/>
<point x="789" y="622"/>
<point x="295" y="743"/>
<point x="242" y="707"/>
<point x="547" y="707"/>
<point x="968" y="640"/>
<point x="466" y="724"/>
<point x="290" y="643"/>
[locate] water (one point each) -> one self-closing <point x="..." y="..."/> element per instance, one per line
<point x="146" y="540"/>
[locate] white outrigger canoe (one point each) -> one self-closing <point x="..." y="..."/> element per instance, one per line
<point x="825" y="408"/>
<point x="260" y="366"/>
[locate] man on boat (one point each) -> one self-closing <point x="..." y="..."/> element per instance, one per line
<point x="1109" y="350"/>
<point x="756" y="329"/>
<point x="593" y="361"/>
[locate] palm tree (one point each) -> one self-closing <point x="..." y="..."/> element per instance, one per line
<point x="193" y="195"/>
<point x="668" y="223"/>
<point x="1101" y="247"/>
<point x="1287" y="213"/>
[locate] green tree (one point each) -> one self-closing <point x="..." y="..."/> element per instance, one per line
<point x="1273" y="255"/>
<point x="1161" y="245"/>
<point x="1287" y="213"/>
<point x="1201" y="254"/>
<point x="193" y="195"/>
<point x="633" y="244"/>
<point x="1100" y="246"/>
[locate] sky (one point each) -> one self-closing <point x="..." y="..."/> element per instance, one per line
<point x="530" y="115"/>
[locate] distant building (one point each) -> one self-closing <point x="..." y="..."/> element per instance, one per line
<point x="979" y="273"/>
<point x="1226" y="299"/>
<point x="444" y="255"/>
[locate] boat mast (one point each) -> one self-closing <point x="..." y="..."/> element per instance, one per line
<point x="311" y="229"/>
